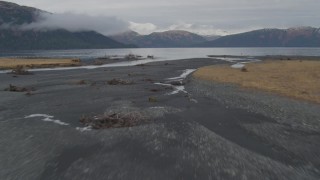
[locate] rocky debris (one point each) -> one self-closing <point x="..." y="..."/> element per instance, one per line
<point x="155" y="90"/>
<point x="13" y="88"/>
<point x="82" y="82"/>
<point x="148" y="80"/>
<point x="153" y="99"/>
<point x="244" y="69"/>
<point x="119" y="82"/>
<point x="150" y="57"/>
<point x="124" y="114"/>
<point x="141" y="65"/>
<point x="20" y="70"/>
<point x="113" y="120"/>
<point x="133" y="57"/>
<point x="98" y="62"/>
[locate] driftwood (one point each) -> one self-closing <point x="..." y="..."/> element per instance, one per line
<point x="114" y="120"/>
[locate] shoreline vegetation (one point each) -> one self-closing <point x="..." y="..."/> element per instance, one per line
<point x="298" y="79"/>
<point x="46" y="62"/>
<point x="32" y="63"/>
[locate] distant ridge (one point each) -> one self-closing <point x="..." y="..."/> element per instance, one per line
<point x="16" y="39"/>
<point x="57" y="39"/>
<point x="292" y="37"/>
<point x="174" y="38"/>
<point x="13" y="15"/>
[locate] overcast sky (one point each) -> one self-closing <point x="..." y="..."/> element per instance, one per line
<point x="200" y="16"/>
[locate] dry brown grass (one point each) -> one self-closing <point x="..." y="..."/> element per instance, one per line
<point x="11" y="63"/>
<point x="298" y="79"/>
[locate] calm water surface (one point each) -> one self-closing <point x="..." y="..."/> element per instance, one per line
<point x="166" y="53"/>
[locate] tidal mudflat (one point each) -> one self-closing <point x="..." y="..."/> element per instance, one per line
<point x="152" y="121"/>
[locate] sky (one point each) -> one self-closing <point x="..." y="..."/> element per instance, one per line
<point x="206" y="17"/>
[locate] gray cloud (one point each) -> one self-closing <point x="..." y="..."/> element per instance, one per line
<point x="220" y="15"/>
<point x="77" y="22"/>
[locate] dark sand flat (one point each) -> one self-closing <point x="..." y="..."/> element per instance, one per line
<point x="210" y="131"/>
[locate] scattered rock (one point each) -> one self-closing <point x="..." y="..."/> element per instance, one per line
<point x="82" y="82"/>
<point x="244" y="69"/>
<point x="114" y="120"/>
<point x="150" y="57"/>
<point x="29" y="93"/>
<point x="119" y="82"/>
<point x="155" y="90"/>
<point x="98" y="62"/>
<point x="153" y="99"/>
<point x="13" y="88"/>
<point x="20" y="70"/>
<point x="148" y="80"/>
<point x="141" y="65"/>
<point x="304" y="92"/>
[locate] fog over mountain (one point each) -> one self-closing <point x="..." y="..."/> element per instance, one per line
<point x="204" y="17"/>
<point x="43" y="21"/>
<point x="28" y="28"/>
<point x="78" y="22"/>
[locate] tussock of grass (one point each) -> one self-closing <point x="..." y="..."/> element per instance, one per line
<point x="298" y="79"/>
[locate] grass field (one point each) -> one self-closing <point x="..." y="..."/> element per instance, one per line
<point x="299" y="78"/>
<point x="11" y="63"/>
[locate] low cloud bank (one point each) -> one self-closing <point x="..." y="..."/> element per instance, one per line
<point x="74" y="22"/>
<point x="147" y="28"/>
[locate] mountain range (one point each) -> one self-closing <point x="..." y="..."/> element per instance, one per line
<point x="292" y="37"/>
<point x="13" y="38"/>
<point x="174" y="38"/>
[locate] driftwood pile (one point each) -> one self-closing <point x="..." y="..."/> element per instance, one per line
<point x="113" y="120"/>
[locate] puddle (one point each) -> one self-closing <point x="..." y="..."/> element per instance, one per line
<point x="239" y="62"/>
<point x="177" y="88"/>
<point x="47" y="118"/>
<point x="238" y="66"/>
<point x="183" y="75"/>
<point x="83" y="129"/>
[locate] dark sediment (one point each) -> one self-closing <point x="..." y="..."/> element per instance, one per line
<point x="214" y="131"/>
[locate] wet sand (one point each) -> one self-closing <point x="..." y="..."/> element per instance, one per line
<point x="206" y="131"/>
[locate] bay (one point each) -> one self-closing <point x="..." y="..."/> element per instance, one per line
<point x="165" y="53"/>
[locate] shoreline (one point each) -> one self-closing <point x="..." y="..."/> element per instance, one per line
<point x="47" y="63"/>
